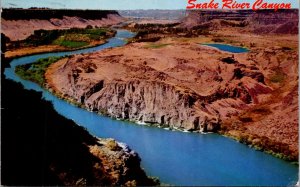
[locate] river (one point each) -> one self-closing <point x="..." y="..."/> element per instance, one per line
<point x="177" y="158"/>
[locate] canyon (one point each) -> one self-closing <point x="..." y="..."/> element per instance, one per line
<point x="177" y="83"/>
<point x="166" y="76"/>
<point x="39" y="146"/>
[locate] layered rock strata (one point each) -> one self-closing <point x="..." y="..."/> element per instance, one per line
<point x="179" y="86"/>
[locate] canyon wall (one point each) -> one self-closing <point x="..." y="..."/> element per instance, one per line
<point x="173" y="90"/>
<point x="283" y="21"/>
<point x="18" y="24"/>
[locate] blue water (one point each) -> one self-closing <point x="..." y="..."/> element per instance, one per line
<point x="228" y="48"/>
<point x="177" y="158"/>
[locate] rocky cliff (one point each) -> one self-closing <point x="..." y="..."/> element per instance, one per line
<point x="18" y="24"/>
<point x="199" y="17"/>
<point x="165" y="86"/>
<point x="176" y="82"/>
<point x="259" y="22"/>
<point x="282" y="22"/>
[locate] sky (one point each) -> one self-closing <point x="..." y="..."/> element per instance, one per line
<point x="117" y="4"/>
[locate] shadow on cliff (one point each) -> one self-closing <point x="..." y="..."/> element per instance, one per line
<point x="35" y="138"/>
<point x="40" y="147"/>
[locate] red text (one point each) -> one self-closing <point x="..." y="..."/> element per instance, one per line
<point x="230" y="4"/>
<point x="192" y="4"/>
<point x="260" y="4"/>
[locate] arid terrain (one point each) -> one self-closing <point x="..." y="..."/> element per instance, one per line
<point x="178" y="83"/>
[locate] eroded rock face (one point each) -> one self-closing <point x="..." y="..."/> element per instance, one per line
<point x="283" y="21"/>
<point x="174" y="86"/>
<point x="149" y="102"/>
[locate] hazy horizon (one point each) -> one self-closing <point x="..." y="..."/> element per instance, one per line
<point x="117" y="4"/>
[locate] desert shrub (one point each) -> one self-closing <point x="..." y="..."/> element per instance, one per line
<point x="228" y="60"/>
<point x="35" y="71"/>
<point x="286" y="48"/>
<point x="217" y="40"/>
<point x="89" y="27"/>
<point x="71" y="44"/>
<point x="261" y="110"/>
<point x="278" y="76"/>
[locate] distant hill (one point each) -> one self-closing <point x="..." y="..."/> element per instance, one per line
<point x="45" y="14"/>
<point x="154" y="14"/>
<point x="260" y="22"/>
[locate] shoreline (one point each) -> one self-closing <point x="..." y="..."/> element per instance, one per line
<point x="53" y="51"/>
<point x="53" y="47"/>
<point x="134" y="122"/>
<point x="226" y="134"/>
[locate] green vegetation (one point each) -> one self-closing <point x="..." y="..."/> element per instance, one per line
<point x="156" y="46"/>
<point x="76" y="38"/>
<point x="70" y="44"/>
<point x="35" y="71"/>
<point x="70" y="38"/>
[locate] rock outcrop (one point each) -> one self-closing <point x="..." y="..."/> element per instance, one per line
<point x="258" y="22"/>
<point x="161" y="86"/>
<point x="195" y="18"/>
<point x="281" y="22"/>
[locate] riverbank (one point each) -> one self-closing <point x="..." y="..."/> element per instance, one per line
<point x="254" y="166"/>
<point x="286" y="149"/>
<point x="57" y="41"/>
<point x="26" y="51"/>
